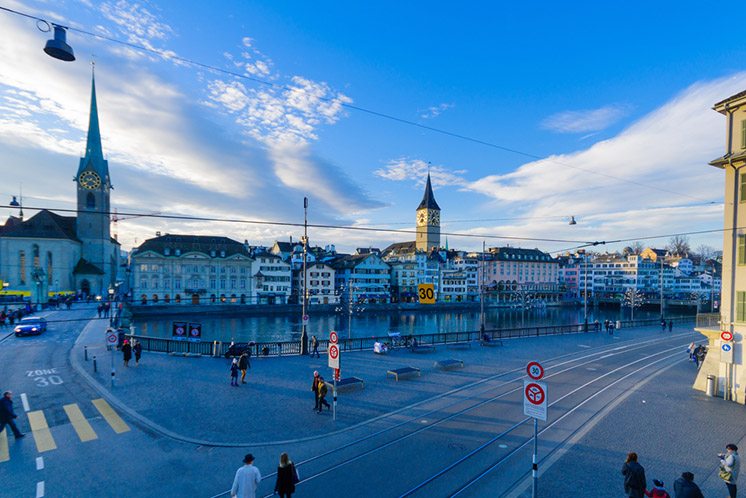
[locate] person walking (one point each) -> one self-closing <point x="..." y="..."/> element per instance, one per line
<point x="287" y="477"/>
<point x="322" y="394"/>
<point x="315" y="389"/>
<point x="234" y="372"/>
<point x="314" y="347"/>
<point x="663" y="325"/>
<point x="243" y="364"/>
<point x="247" y="478"/>
<point x="127" y="352"/>
<point x="635" y="483"/>
<point x="730" y="465"/>
<point x="137" y="349"/>
<point x="685" y="487"/>
<point x="658" y="491"/>
<point x="8" y="416"/>
<point x="670" y="325"/>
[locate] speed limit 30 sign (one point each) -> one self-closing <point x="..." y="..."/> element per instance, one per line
<point x="535" y="370"/>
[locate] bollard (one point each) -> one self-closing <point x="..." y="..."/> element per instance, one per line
<point x="94" y="364"/>
<point x="85" y="352"/>
<point x="113" y="376"/>
<point x="711" y="386"/>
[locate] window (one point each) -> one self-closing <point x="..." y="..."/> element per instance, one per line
<point x="741" y="306"/>
<point x="742" y="195"/>
<point x="743" y="134"/>
<point x="742" y="249"/>
<point x="22" y="266"/>
<point x="90" y="201"/>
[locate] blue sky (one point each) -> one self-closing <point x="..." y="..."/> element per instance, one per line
<point x="615" y="99"/>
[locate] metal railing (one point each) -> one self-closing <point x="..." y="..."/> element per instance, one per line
<point x="708" y="320"/>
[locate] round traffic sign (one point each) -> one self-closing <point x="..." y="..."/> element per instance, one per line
<point x="535" y="370"/>
<point x="726" y="335"/>
<point x="726" y="347"/>
<point x="179" y="331"/>
<point x="535" y="394"/>
<point x="333" y="352"/>
<point x="333" y="337"/>
<point x="111" y="337"/>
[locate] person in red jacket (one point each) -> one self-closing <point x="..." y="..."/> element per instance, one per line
<point x="658" y="491"/>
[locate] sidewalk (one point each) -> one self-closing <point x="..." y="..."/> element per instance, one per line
<point x="191" y="398"/>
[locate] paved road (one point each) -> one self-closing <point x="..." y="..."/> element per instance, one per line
<point x="443" y="433"/>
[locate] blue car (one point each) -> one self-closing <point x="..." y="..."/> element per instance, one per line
<point x="31" y="325"/>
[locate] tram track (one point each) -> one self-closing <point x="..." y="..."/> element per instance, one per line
<point x="475" y="401"/>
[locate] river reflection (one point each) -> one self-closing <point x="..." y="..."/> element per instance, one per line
<point x="286" y="327"/>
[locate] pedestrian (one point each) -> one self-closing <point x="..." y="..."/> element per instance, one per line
<point x="670" y="325"/>
<point x="127" y="352"/>
<point x="99" y="309"/>
<point x="635" y="483"/>
<point x="315" y="389"/>
<point x="612" y="326"/>
<point x="322" y="394"/>
<point x="730" y="464"/>
<point x="234" y="372"/>
<point x="314" y="347"/>
<point x="247" y="478"/>
<point x="7" y="415"/>
<point x="243" y="364"/>
<point x="287" y="477"/>
<point x="658" y="491"/>
<point x="685" y="487"/>
<point x="663" y="325"/>
<point x="137" y="349"/>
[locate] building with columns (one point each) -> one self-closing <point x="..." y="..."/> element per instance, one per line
<point x="49" y="253"/>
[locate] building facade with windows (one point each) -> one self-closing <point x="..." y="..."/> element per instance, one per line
<point x="509" y="273"/>
<point x="365" y="278"/>
<point x="320" y="287"/>
<point x="272" y="278"/>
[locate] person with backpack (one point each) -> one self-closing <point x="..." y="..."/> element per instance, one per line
<point x="635" y="482"/>
<point x="322" y="394"/>
<point x="730" y="465"/>
<point x="658" y="491"/>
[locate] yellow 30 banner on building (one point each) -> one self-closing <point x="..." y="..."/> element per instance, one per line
<point x="426" y="293"/>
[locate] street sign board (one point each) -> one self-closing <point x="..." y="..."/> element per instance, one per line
<point x="195" y="332"/>
<point x="333" y="337"/>
<point x="726" y="335"/>
<point x="426" y="293"/>
<point x="305" y="319"/>
<point x="535" y="399"/>
<point x="726" y="352"/>
<point x="111" y="337"/>
<point x="179" y="330"/>
<point x="535" y="370"/>
<point x="333" y="356"/>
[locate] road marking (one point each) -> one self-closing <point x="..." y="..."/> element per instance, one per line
<point x="605" y="356"/>
<point x="583" y="346"/>
<point x="4" y="453"/>
<point x="114" y="420"/>
<point x="40" y="489"/>
<point x="42" y="435"/>
<point x="24" y="400"/>
<point x="80" y="424"/>
<point x="39" y="463"/>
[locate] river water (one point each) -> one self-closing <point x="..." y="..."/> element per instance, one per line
<point x="285" y="327"/>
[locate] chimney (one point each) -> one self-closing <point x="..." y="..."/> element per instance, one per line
<point x="157" y="234"/>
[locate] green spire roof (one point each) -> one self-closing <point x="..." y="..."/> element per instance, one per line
<point x="94" y="154"/>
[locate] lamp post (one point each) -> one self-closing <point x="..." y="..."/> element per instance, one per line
<point x="304" y="319"/>
<point x="111" y="308"/>
<point x="661" y="286"/>
<point x="481" y="295"/>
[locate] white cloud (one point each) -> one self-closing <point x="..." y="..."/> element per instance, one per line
<point x="585" y="121"/>
<point x="404" y="169"/>
<point x="435" y="111"/>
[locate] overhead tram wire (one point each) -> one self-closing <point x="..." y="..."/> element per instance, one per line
<point x="311" y="225"/>
<point x="170" y="55"/>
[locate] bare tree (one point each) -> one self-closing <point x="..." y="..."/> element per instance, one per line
<point x="637" y="247"/>
<point x="678" y="245"/>
<point x="705" y="252"/>
<point x="632" y="299"/>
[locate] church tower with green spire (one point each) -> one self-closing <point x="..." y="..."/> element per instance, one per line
<point x="428" y="221"/>
<point x="99" y="254"/>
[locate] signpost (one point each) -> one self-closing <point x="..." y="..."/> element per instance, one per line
<point x="179" y="331"/>
<point x="535" y="406"/>
<point x="426" y="293"/>
<point x="726" y="335"/>
<point x="111" y="338"/>
<point x="195" y="332"/>
<point x="333" y="351"/>
<point x="726" y="352"/>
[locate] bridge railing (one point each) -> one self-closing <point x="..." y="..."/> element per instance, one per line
<point x="287" y="348"/>
<point x="708" y="320"/>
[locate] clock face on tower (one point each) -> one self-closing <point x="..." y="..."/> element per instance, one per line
<point x="89" y="180"/>
<point x="421" y="218"/>
<point x="434" y="216"/>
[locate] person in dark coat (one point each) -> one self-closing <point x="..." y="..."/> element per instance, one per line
<point x="243" y="364"/>
<point x="670" y="325"/>
<point x="685" y="487"/>
<point x="286" y="477"/>
<point x="315" y="389"/>
<point x="234" y="372"/>
<point x="322" y="394"/>
<point x="314" y="347"/>
<point x="7" y="415"/>
<point x="635" y="483"/>
<point x="127" y="352"/>
<point x="137" y="349"/>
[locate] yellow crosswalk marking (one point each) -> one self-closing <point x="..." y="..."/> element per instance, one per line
<point x="4" y="453"/>
<point x="42" y="435"/>
<point x="80" y="424"/>
<point x="114" y="420"/>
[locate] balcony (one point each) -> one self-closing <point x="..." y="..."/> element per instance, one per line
<point x="708" y="321"/>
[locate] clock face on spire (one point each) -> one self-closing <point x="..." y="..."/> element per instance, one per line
<point x="434" y="216"/>
<point x="89" y="180"/>
<point x="421" y="217"/>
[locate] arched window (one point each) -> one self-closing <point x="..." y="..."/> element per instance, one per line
<point x="144" y="299"/>
<point x="155" y="298"/>
<point x="22" y="266"/>
<point x="35" y="251"/>
<point x="177" y="298"/>
<point x="167" y="298"/>
<point x="90" y="201"/>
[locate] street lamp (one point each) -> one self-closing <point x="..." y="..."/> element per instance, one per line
<point x="57" y="47"/>
<point x="304" y="317"/>
<point x="111" y="310"/>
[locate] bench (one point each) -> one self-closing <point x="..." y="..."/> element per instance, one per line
<point x="423" y="348"/>
<point x="396" y="372"/>
<point x="459" y="345"/>
<point x="491" y="342"/>
<point x="346" y="382"/>
<point x="449" y="363"/>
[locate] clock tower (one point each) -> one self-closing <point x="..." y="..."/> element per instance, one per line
<point x="428" y="221"/>
<point x="93" y="187"/>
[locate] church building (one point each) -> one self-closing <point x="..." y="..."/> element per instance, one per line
<point x="49" y="253"/>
